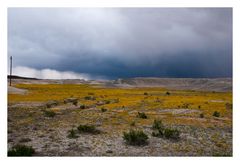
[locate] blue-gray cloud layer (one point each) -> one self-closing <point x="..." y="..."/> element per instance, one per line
<point x="123" y="42"/>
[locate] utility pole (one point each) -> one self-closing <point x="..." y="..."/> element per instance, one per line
<point x="10" y="78"/>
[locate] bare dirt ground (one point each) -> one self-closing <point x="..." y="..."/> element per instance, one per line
<point x="49" y="135"/>
<point x="207" y="136"/>
<point x="13" y="90"/>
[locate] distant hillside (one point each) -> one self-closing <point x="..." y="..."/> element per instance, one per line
<point x="199" y="84"/>
<point x="205" y="84"/>
<point x="20" y="77"/>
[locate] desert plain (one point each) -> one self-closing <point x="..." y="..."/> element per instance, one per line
<point x="50" y="116"/>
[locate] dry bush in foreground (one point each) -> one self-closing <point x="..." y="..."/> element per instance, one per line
<point x="88" y="129"/>
<point x="171" y="134"/>
<point x="21" y="150"/>
<point x="82" y="106"/>
<point x="142" y="115"/>
<point x="135" y="137"/>
<point x="90" y="98"/>
<point x="161" y="131"/>
<point x="72" y="134"/>
<point x="216" y="114"/>
<point x="103" y="109"/>
<point x="48" y="113"/>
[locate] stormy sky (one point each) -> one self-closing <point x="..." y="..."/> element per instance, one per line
<point x="110" y="43"/>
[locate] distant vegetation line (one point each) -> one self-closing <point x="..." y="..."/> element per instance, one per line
<point x="20" y="77"/>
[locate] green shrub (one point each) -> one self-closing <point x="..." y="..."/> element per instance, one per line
<point x="49" y="113"/>
<point x="216" y="114"/>
<point x="135" y="137"/>
<point x="88" y="129"/>
<point x="75" y="103"/>
<point x="158" y="128"/>
<point x="158" y="133"/>
<point x="21" y="150"/>
<point x="161" y="131"/>
<point x="222" y="154"/>
<point x="82" y="106"/>
<point x="133" y="123"/>
<point x="171" y="133"/>
<point x="72" y="134"/>
<point x="157" y="124"/>
<point x="107" y="101"/>
<point x="89" y="98"/>
<point x="115" y="101"/>
<point x="103" y="109"/>
<point x="185" y="105"/>
<point x="142" y="115"/>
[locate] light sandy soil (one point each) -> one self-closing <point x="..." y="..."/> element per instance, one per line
<point x="14" y="90"/>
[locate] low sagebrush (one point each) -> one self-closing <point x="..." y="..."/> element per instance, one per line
<point x="201" y="115"/>
<point x="171" y="133"/>
<point x="72" y="134"/>
<point x="103" y="109"/>
<point x="216" y="114"/>
<point x="157" y="124"/>
<point x="135" y="137"/>
<point x="88" y="129"/>
<point x="142" y="115"/>
<point x="158" y="128"/>
<point x="82" y="106"/>
<point x="21" y="150"/>
<point x="161" y="131"/>
<point x="49" y="113"/>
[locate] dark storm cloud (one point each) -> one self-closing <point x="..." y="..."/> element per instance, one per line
<point x="123" y="42"/>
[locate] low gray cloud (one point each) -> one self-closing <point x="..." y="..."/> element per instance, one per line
<point x="123" y="42"/>
<point x="48" y="73"/>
